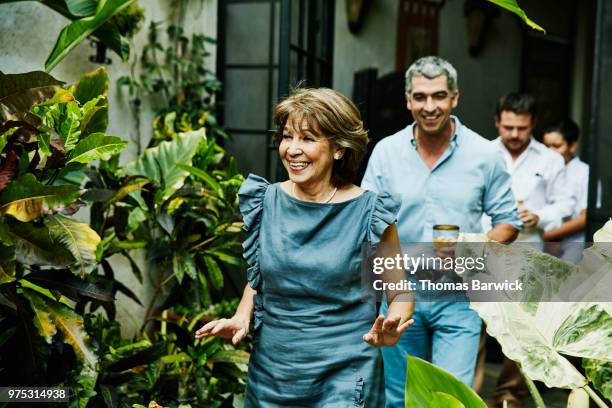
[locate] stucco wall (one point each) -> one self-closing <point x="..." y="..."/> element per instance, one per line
<point x="27" y="34"/>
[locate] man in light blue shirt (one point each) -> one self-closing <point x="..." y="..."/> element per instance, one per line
<point x="445" y="174"/>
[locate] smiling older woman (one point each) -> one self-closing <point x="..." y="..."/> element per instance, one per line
<point x="313" y="332"/>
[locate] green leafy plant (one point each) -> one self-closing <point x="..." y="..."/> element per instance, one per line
<point x="539" y="334"/>
<point x="173" y="74"/>
<point x="48" y="260"/>
<point x="512" y="5"/>
<point x="179" y="201"/>
<point x="430" y="386"/>
<point x="89" y="17"/>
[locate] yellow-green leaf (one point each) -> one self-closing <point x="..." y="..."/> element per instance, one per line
<point x="91" y="86"/>
<point x="26" y="198"/>
<point x="124" y="191"/>
<point x="42" y="317"/>
<point x="57" y="316"/>
<point x="78" y="238"/>
<point x="96" y="146"/>
<point x="513" y="6"/>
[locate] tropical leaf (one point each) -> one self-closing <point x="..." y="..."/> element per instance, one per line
<point x="513" y="6"/>
<point x="52" y="316"/>
<point x="208" y="179"/>
<point x="78" y="238"/>
<point x="431" y="386"/>
<point x="82" y="8"/>
<point x="68" y="285"/>
<point x="26" y="198"/>
<point x="78" y="30"/>
<point x="61" y="95"/>
<point x="444" y="400"/>
<point x="96" y="146"/>
<point x="110" y="35"/>
<point x="95" y="120"/>
<point x="91" y="86"/>
<point x="34" y="246"/>
<point x="19" y="92"/>
<point x="535" y="338"/>
<point x="214" y="272"/>
<point x="69" y="127"/>
<point x="44" y="144"/>
<point x="183" y="264"/>
<point x="160" y="163"/>
<point x="132" y="185"/>
<point x="600" y="373"/>
<point x="42" y="317"/>
<point x="230" y="356"/>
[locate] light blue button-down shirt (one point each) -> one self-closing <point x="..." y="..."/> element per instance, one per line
<point x="469" y="178"/>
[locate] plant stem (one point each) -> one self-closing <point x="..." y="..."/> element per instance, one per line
<point x="533" y="390"/>
<point x="600" y="403"/>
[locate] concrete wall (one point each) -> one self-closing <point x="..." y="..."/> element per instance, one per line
<point x="27" y="34"/>
<point x="372" y="47"/>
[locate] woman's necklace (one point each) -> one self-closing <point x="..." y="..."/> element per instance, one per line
<point x="320" y="202"/>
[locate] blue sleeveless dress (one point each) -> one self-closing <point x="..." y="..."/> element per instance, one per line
<point x="309" y="318"/>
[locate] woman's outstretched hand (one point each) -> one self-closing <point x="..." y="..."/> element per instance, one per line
<point x="386" y="332"/>
<point x="234" y="329"/>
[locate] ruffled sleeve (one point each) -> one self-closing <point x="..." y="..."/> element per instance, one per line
<point x="251" y="202"/>
<point x="384" y="213"/>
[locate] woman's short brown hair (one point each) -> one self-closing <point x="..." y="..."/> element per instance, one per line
<point x="337" y="119"/>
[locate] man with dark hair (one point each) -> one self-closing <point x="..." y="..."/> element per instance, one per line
<point x="539" y="185"/>
<point x="538" y="174"/>
<point x="444" y="173"/>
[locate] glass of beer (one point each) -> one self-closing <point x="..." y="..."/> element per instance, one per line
<point x="445" y="235"/>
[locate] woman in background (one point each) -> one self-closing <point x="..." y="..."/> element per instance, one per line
<point x="563" y="138"/>
<point x="314" y="334"/>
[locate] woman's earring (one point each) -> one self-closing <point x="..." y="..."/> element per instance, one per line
<point x="337" y="156"/>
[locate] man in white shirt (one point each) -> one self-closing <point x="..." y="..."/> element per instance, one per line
<point x="563" y="138"/>
<point x="538" y="173"/>
<point x="539" y="186"/>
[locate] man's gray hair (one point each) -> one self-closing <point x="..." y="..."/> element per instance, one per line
<point x="432" y="67"/>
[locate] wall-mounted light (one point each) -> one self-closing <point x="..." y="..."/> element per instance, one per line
<point x="479" y="14"/>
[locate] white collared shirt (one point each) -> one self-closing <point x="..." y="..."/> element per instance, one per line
<point x="577" y="175"/>
<point x="539" y="180"/>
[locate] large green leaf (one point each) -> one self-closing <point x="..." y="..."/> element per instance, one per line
<point x="78" y="30"/>
<point x="26" y="198"/>
<point x="78" y="238"/>
<point x="34" y="246"/>
<point x="91" y="86"/>
<point x="160" y="163"/>
<point x="431" y="386"/>
<point x="600" y="373"/>
<point x="18" y="92"/>
<point x="52" y="316"/>
<point x="82" y="8"/>
<point x="96" y="146"/>
<point x="513" y="6"/>
<point x="536" y="339"/>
